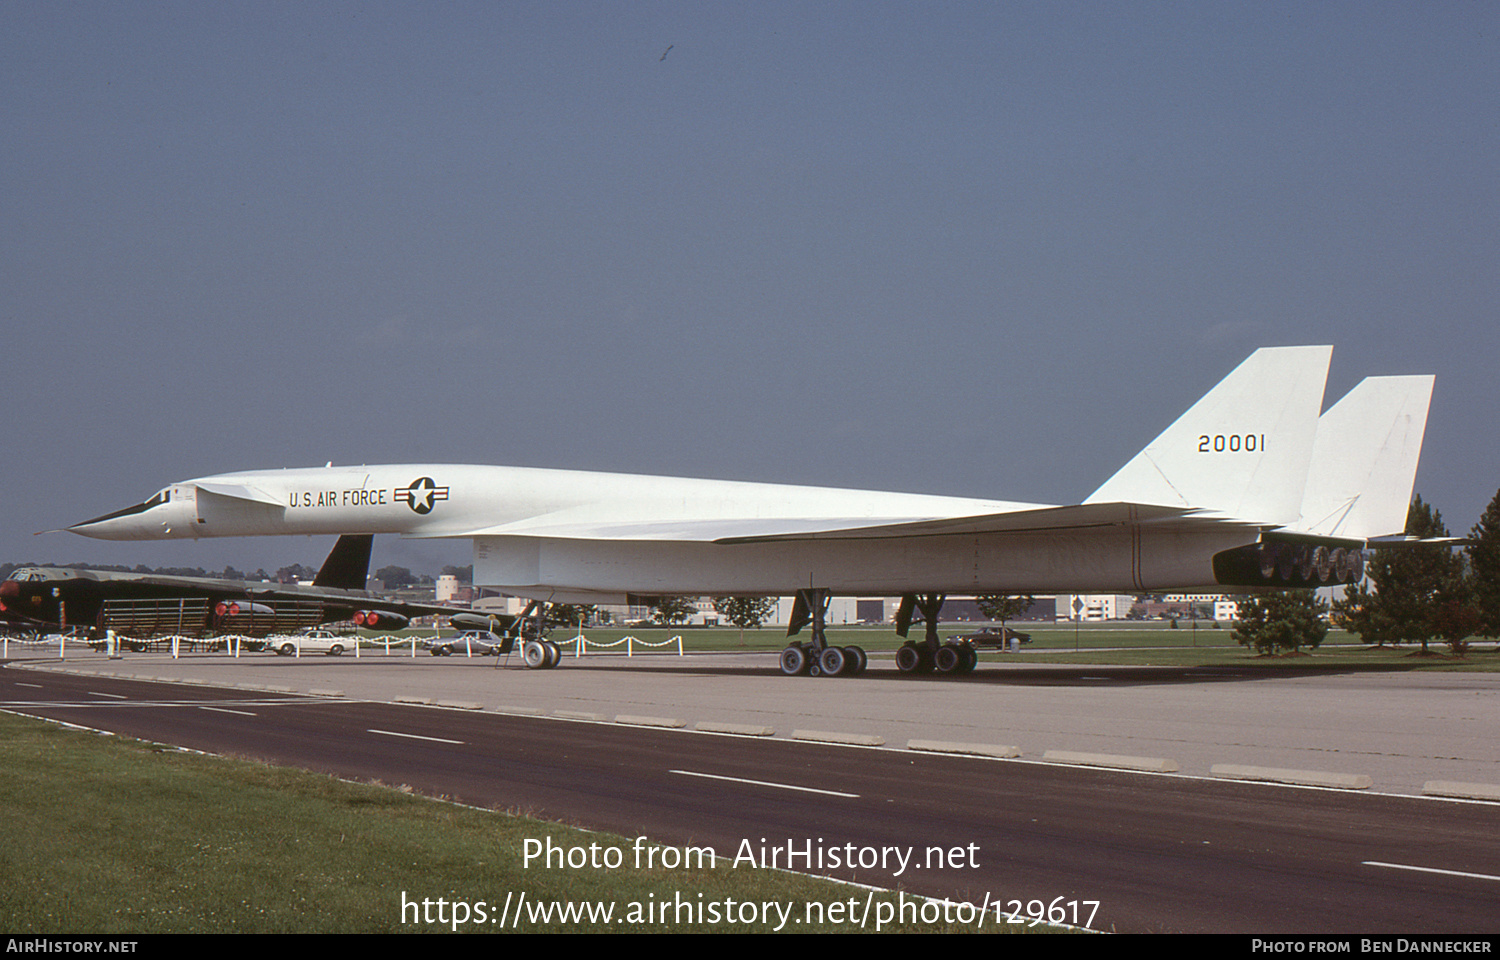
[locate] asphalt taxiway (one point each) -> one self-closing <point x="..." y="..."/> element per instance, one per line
<point x="1399" y="732"/>
<point x="1191" y="850"/>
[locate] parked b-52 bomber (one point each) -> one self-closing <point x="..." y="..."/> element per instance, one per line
<point x="1253" y="488"/>
<point x="140" y="606"/>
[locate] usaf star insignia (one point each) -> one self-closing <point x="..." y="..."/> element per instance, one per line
<point x="420" y="494"/>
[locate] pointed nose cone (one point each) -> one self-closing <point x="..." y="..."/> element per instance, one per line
<point x="170" y="515"/>
<point x="128" y="524"/>
<point x="106" y="528"/>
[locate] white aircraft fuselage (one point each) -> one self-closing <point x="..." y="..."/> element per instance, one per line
<point x="583" y="534"/>
<point x="1197" y="509"/>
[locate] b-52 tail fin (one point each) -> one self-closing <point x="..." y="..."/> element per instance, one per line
<point x="348" y="563"/>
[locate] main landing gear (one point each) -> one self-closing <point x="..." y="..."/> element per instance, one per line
<point x="537" y="652"/>
<point x="930" y="654"/>
<point x="815" y="657"/>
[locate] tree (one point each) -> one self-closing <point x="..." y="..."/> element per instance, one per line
<point x="1484" y="570"/>
<point x="1003" y="606"/>
<point x="572" y="614"/>
<point x="394" y="576"/>
<point x="295" y="573"/>
<point x="669" y="610"/>
<point x="1456" y="619"/>
<point x="745" y="611"/>
<point x="1285" y="620"/>
<point x="465" y="574"/>
<point x="1409" y="584"/>
<point x="1359" y="613"/>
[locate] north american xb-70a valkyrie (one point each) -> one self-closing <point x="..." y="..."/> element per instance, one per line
<point x="140" y="606"/>
<point x="1249" y="489"/>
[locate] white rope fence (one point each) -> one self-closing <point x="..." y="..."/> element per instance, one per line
<point x="582" y="643"/>
<point x="58" y="640"/>
<point x="236" y="643"/>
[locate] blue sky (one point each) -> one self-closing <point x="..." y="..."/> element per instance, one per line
<point x="984" y="249"/>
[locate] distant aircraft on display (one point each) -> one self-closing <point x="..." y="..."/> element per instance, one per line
<point x="140" y="606"/>
<point x="1249" y="489"/>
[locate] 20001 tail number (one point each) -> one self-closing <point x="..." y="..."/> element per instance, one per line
<point x="1232" y="443"/>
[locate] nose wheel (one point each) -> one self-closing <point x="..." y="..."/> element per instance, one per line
<point x="541" y="654"/>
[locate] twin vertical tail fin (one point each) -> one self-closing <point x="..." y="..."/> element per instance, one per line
<point x="1255" y="451"/>
<point x="1358" y="487"/>
<point x="1243" y="451"/>
<point x="1365" y="460"/>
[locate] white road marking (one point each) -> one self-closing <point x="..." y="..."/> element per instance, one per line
<point x="1451" y="873"/>
<point x="243" y="713"/>
<point x="82" y="704"/>
<point x="413" y="736"/>
<point x="765" y="783"/>
<point x="112" y="696"/>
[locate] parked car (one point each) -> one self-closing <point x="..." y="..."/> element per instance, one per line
<point x="314" y="641"/>
<point x="480" y="643"/>
<point x="995" y="637"/>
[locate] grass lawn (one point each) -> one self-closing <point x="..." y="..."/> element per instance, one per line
<point x="106" y="835"/>
<point x="1123" y="644"/>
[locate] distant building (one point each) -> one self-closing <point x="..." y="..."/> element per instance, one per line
<point x="841" y="610"/>
<point x="450" y="590"/>
<point x="1089" y="607"/>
